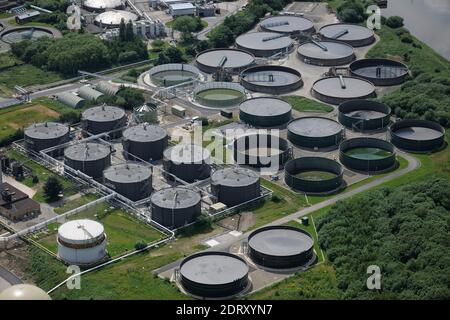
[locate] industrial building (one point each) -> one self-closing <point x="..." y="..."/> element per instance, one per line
<point x="233" y="60"/>
<point x="326" y="53"/>
<point x="315" y="132"/>
<point x="338" y="89"/>
<point x="103" y="119"/>
<point x="145" y="141"/>
<point x="364" y="115"/>
<point x="167" y="75"/>
<point x="233" y="186"/>
<point x="265" y="44"/>
<point x="417" y="135"/>
<point x="271" y="79"/>
<point x="107" y="88"/>
<point x="82" y="242"/>
<point x="287" y="24"/>
<point x="182" y="9"/>
<point x="281" y="247"/>
<point x="103" y="5"/>
<point x="89" y="158"/>
<point x="112" y="18"/>
<point x="214" y="274"/>
<point x="175" y="207"/>
<point x="150" y="29"/>
<point x="27" y="16"/>
<point x="187" y="162"/>
<point x="352" y="34"/>
<point x="313" y="174"/>
<point x="41" y="136"/>
<point x="70" y="99"/>
<point x="367" y="154"/>
<point x="265" y="112"/>
<point x="133" y="180"/>
<point x="89" y="94"/>
<point x="381" y="72"/>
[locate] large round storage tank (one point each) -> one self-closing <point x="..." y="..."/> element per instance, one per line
<point x="24" y="292"/>
<point x="41" y="136"/>
<point x="271" y="79"/>
<point x="102" y="119"/>
<point x="112" y="18"/>
<point x="364" y="115"/>
<point x="338" y="89"/>
<point x="90" y="158"/>
<point x="352" y="34"/>
<point x="233" y="186"/>
<point x="102" y="5"/>
<point x="367" y="154"/>
<point x="145" y="141"/>
<point x="132" y="180"/>
<point x="326" y="53"/>
<point x="381" y="72"/>
<point x="175" y="207"/>
<point x="265" y="112"/>
<point x="265" y="44"/>
<point x="417" y="135"/>
<point x="214" y="274"/>
<point x="187" y="162"/>
<point x="81" y="242"/>
<point x="315" y="132"/>
<point x="235" y="60"/>
<point x="281" y="247"/>
<point x="287" y="24"/>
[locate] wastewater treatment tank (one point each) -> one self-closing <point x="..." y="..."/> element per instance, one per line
<point x="19" y="34"/>
<point x="281" y="247"/>
<point x="90" y="158"/>
<point x="235" y="60"/>
<point x="23" y="292"/>
<point x="236" y="185"/>
<point x="171" y="74"/>
<point x="364" y="115"/>
<point x="145" y="141"/>
<point x="287" y="24"/>
<point x="326" y="53"/>
<point x="313" y="174"/>
<point x="265" y="112"/>
<point x="102" y="5"/>
<point x="271" y="79"/>
<point x="187" y="162"/>
<point x="367" y="154"/>
<point x="417" y="135"/>
<point x="315" y="132"/>
<point x="265" y="44"/>
<point x="338" y="89"/>
<point x="214" y="274"/>
<point x="261" y="150"/>
<point x="103" y="119"/>
<point x="381" y="72"/>
<point x="41" y="136"/>
<point x="112" y="18"/>
<point x="81" y="242"/>
<point x="219" y="94"/>
<point x="175" y="207"/>
<point x="352" y="34"/>
<point x="132" y="180"/>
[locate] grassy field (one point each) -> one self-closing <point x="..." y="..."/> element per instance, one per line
<point x="8" y="60"/>
<point x="303" y="104"/>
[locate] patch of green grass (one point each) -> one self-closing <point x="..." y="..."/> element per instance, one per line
<point x="303" y="104"/>
<point x="55" y="105"/>
<point x="26" y="75"/>
<point x="8" y="60"/>
<point x="5" y="15"/>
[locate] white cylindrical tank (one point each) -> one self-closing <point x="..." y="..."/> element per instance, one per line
<point x="81" y="242"/>
<point x="24" y="292"/>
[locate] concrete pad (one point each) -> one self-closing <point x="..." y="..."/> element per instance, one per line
<point x="212" y="243"/>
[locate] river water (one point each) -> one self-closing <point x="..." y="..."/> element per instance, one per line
<point x="428" y="20"/>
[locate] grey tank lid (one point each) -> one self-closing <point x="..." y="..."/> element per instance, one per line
<point x="144" y="132"/>
<point x="87" y="151"/>
<point x="334" y="50"/>
<point x="103" y="114"/>
<point x="287" y="24"/>
<point x="175" y="198"/>
<point x="314" y="127"/>
<point x="264" y="41"/>
<point x="129" y="172"/>
<point x="265" y="106"/>
<point x="234" y="58"/>
<point x="354" y="31"/>
<point x="46" y="130"/>
<point x="234" y="177"/>
<point x="354" y="87"/>
<point x="186" y="153"/>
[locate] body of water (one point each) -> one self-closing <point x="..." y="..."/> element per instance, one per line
<point x="428" y="20"/>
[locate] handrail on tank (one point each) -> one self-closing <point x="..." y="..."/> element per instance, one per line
<point x="341" y="79"/>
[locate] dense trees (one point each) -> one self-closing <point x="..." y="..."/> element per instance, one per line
<point x="52" y="188"/>
<point x="394" y="22"/>
<point x="352" y="11"/>
<point x="404" y="231"/>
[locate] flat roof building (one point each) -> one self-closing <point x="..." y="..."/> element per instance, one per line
<point x="15" y="205"/>
<point x="182" y="9"/>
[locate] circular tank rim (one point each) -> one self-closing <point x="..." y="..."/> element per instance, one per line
<point x="327" y="61"/>
<point x="371" y="62"/>
<point x="254" y="115"/>
<point x="206" y="154"/>
<point x="364" y="105"/>
<point x="398" y="140"/>
<point x="311" y="28"/>
<point x="285" y="69"/>
<point x="334" y="166"/>
<point x="208" y="68"/>
<point x="336" y="99"/>
<point x="60" y="126"/>
<point x="94" y="117"/>
<point x="6" y="31"/>
<point x="193" y="201"/>
<point x="127" y="136"/>
<point x="315" y="117"/>
<point x="99" y="157"/>
<point x="146" y="174"/>
<point x="356" y="42"/>
<point x="255" y="178"/>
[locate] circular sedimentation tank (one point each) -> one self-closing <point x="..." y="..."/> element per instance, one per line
<point x="171" y="74"/>
<point x="261" y="150"/>
<point x="381" y="72"/>
<point x="16" y="35"/>
<point x="352" y="34"/>
<point x="364" y="115"/>
<point x="265" y="44"/>
<point x="233" y="186"/>
<point x="367" y="154"/>
<point x="338" y="89"/>
<point x="90" y="158"/>
<point x="175" y="207"/>
<point x="41" y="136"/>
<point x="145" y="141"/>
<point x="271" y="79"/>
<point x="219" y="94"/>
<point x="265" y="112"/>
<point x="326" y="53"/>
<point x="103" y="119"/>
<point x="132" y="180"/>
<point x="102" y="5"/>
<point x="315" y="132"/>
<point x="211" y="60"/>
<point x="187" y="162"/>
<point x="417" y="135"/>
<point x="313" y="174"/>
<point x="82" y="242"/>
<point x="112" y="18"/>
<point x="23" y="292"/>
<point x="287" y="24"/>
<point x="281" y="247"/>
<point x="214" y="274"/>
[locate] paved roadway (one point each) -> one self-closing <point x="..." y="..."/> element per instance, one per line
<point x="7" y="279"/>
